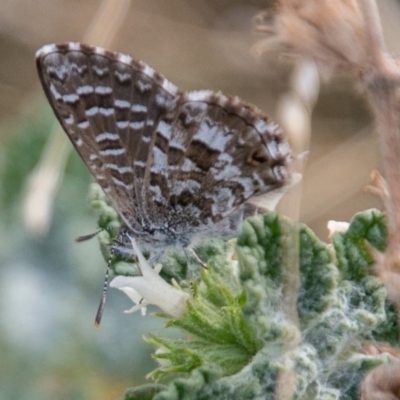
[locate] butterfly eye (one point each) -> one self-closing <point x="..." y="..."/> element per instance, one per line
<point x="257" y="157"/>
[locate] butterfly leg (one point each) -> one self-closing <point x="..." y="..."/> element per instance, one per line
<point x="190" y="252"/>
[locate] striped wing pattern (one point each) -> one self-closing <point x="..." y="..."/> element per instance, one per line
<point x="172" y="163"/>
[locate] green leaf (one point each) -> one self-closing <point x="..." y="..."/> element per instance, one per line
<point x="352" y="253"/>
<point x="242" y="342"/>
<point x="225" y="340"/>
<point x="144" y="392"/>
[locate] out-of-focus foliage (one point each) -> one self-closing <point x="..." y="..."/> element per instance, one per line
<point x="51" y="286"/>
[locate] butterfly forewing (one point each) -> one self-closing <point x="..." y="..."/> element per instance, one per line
<point x="169" y="161"/>
<point x="110" y="107"/>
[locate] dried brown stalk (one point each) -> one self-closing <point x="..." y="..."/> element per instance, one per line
<point x="346" y="35"/>
<point x="382" y="383"/>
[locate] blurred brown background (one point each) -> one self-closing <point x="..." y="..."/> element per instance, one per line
<point x="206" y="45"/>
<point x="197" y="44"/>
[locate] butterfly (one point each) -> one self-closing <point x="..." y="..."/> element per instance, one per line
<point x="175" y="165"/>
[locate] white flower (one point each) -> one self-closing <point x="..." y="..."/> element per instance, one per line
<point x="150" y="288"/>
<point x="337" y="227"/>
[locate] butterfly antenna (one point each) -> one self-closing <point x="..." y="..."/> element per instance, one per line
<point x="102" y="304"/>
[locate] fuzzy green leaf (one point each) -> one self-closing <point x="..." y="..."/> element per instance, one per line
<point x="243" y="342"/>
<point x="353" y="255"/>
<point x="144" y="392"/>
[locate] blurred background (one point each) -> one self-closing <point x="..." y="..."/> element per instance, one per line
<point x="50" y="286"/>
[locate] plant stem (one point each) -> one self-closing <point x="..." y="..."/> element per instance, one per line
<point x="383" y="87"/>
